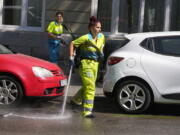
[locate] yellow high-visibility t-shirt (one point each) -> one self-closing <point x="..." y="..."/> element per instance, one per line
<point x="55" y="28"/>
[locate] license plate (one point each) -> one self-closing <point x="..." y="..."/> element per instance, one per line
<point x="63" y="82"/>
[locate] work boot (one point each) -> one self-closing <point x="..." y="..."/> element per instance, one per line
<point x="75" y="107"/>
<point x="74" y="102"/>
<point x="90" y="116"/>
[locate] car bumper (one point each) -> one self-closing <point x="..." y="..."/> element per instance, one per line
<point x="108" y="85"/>
<point x="47" y="87"/>
<point x="111" y="77"/>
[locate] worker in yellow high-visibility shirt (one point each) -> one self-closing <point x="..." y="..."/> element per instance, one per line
<point x="55" y="29"/>
<point x="89" y="65"/>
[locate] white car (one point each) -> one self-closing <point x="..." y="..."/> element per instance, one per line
<point x="144" y="70"/>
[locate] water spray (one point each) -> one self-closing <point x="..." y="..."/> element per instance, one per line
<point x="66" y="92"/>
<point x="6" y="115"/>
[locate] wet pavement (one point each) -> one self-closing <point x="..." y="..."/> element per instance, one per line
<point x="41" y="117"/>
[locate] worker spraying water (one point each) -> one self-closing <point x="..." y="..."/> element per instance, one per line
<point x="91" y="48"/>
<point x="70" y="74"/>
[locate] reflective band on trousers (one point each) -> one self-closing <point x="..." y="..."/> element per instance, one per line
<point x="88" y="101"/>
<point x="88" y="109"/>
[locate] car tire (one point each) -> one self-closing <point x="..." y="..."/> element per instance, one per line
<point x="133" y="96"/>
<point x="11" y="92"/>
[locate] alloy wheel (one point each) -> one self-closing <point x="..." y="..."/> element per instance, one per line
<point x="132" y="97"/>
<point x="9" y="91"/>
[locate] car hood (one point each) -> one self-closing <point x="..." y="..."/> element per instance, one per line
<point x="22" y="59"/>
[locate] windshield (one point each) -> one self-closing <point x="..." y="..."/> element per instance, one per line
<point x="5" y="50"/>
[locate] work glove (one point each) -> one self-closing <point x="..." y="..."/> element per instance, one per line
<point x="58" y="37"/>
<point x="71" y="61"/>
<point x="63" y="42"/>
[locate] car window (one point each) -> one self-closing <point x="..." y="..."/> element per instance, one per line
<point x="5" y="50"/>
<point x="148" y="44"/>
<point x="113" y="45"/>
<point x="167" y="45"/>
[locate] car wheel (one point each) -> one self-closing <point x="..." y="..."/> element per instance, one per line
<point x="133" y="96"/>
<point x="10" y="91"/>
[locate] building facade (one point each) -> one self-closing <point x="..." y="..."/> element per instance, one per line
<point x="23" y="23"/>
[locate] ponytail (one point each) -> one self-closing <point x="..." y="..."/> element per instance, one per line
<point x="93" y="21"/>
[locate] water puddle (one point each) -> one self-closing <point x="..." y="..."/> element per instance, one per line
<point x="39" y="116"/>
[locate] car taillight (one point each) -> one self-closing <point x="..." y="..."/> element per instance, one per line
<point x="114" y="60"/>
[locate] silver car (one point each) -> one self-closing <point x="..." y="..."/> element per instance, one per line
<point x="144" y="70"/>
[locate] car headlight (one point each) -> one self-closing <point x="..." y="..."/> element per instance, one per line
<point x="42" y="72"/>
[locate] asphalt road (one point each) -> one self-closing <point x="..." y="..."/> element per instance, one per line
<point x="39" y="117"/>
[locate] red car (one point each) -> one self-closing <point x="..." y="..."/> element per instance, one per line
<point x="22" y="75"/>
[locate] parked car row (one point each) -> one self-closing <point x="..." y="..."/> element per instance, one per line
<point x="142" y="69"/>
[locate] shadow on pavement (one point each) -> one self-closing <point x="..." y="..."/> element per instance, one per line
<point x="165" y="109"/>
<point x="101" y="105"/>
<point x="106" y="105"/>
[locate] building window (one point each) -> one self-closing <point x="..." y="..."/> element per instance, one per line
<point x="104" y="14"/>
<point x="22" y="14"/>
<point x="11" y="12"/>
<point x="154" y="15"/>
<point x="34" y="13"/>
<point x="126" y="14"/>
<point x="175" y="16"/>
